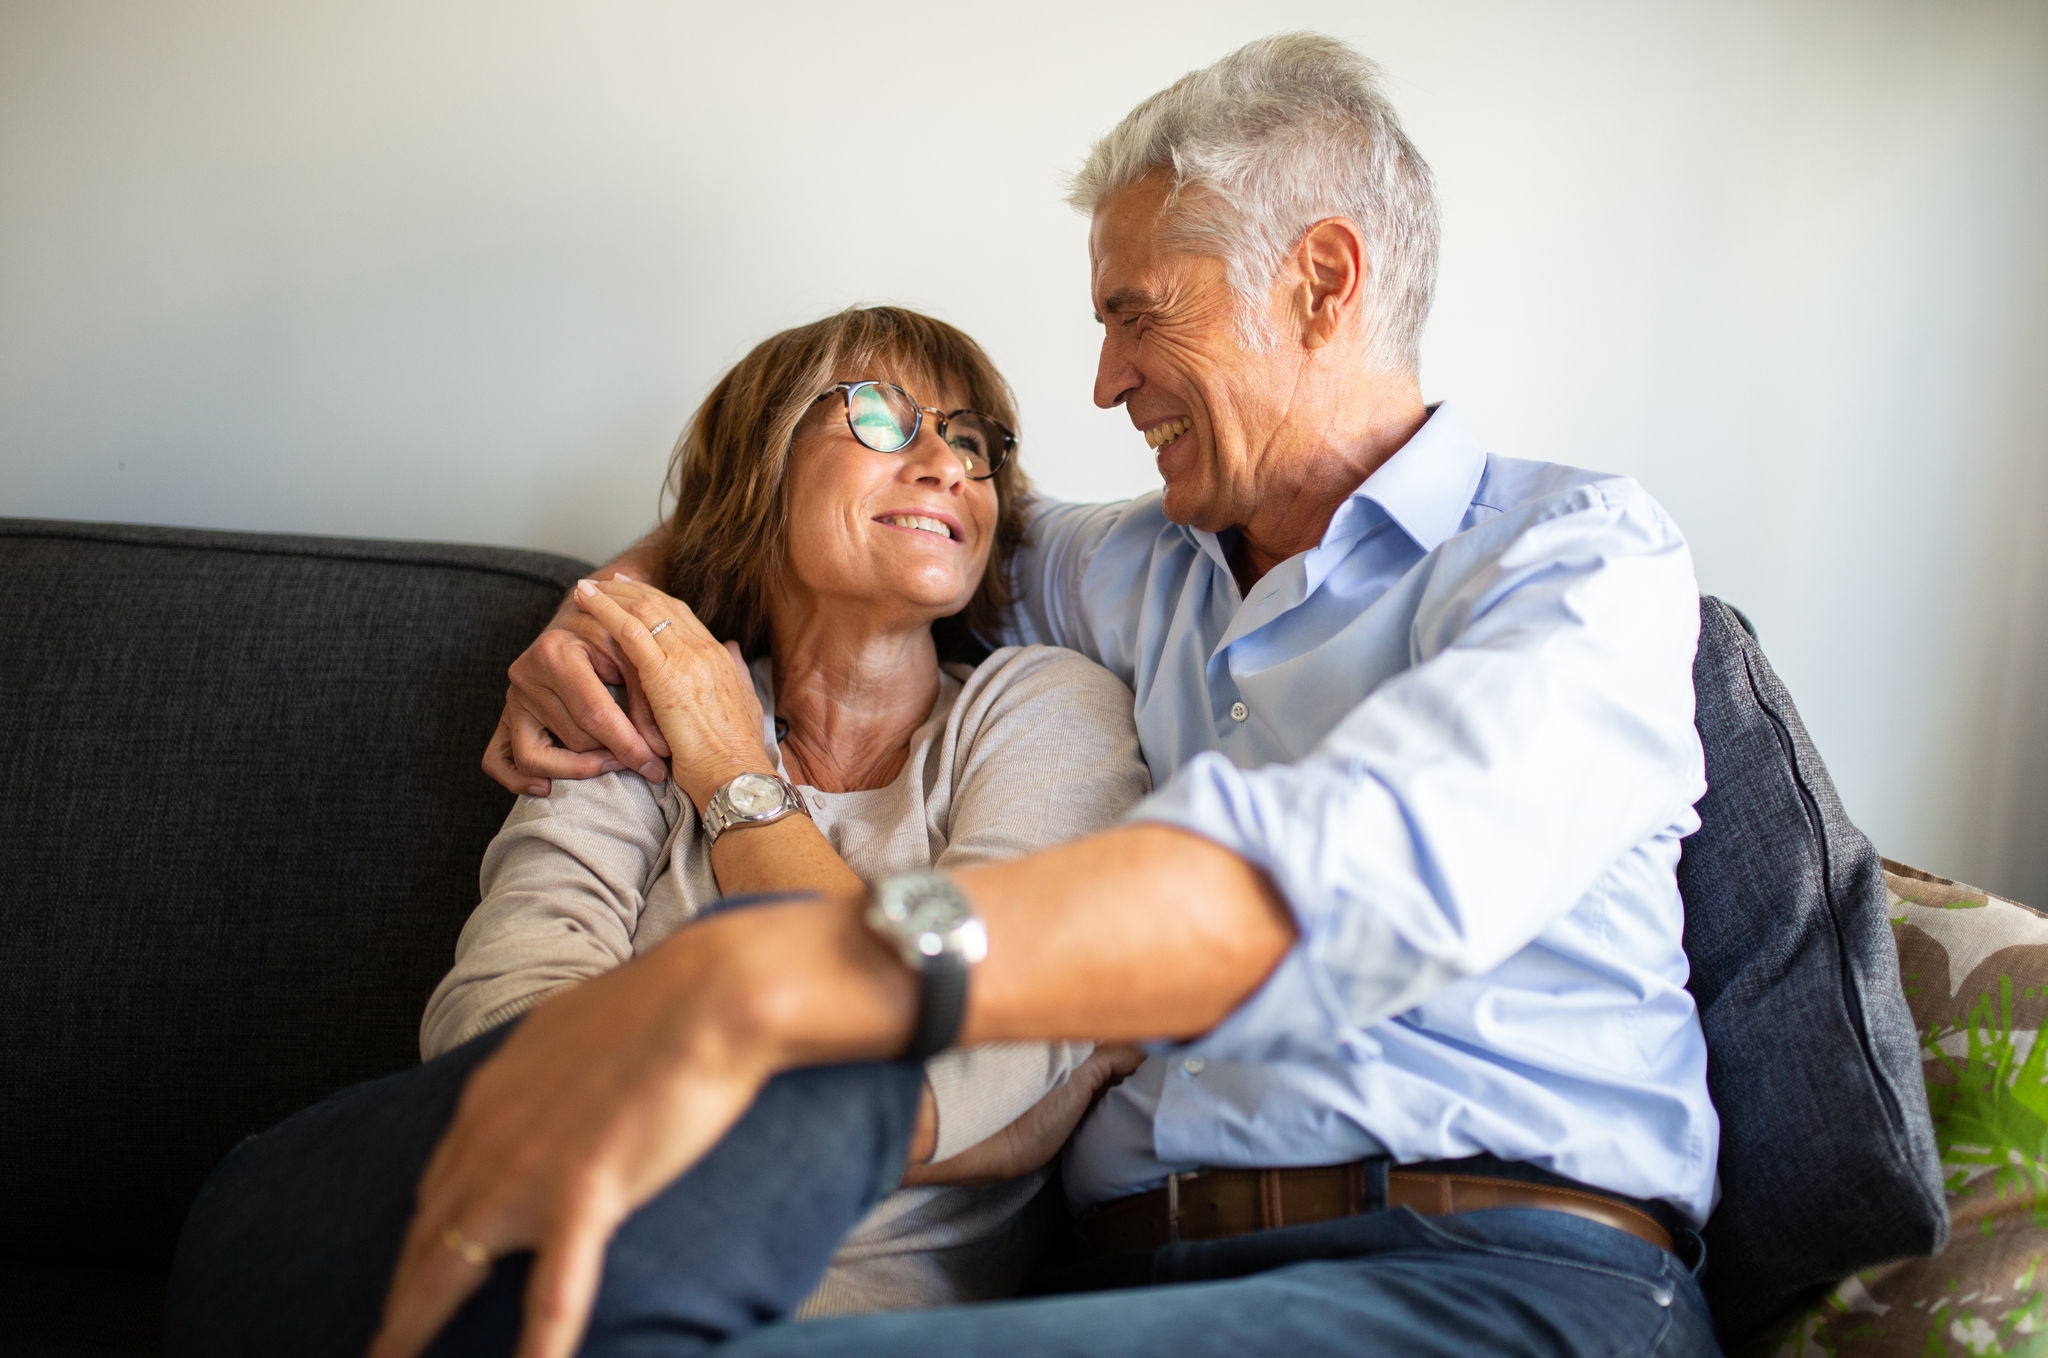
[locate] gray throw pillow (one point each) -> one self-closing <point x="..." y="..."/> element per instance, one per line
<point x="1828" y="1156"/>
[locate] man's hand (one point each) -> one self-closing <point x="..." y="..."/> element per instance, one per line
<point x="1034" y="1139"/>
<point x="609" y="1091"/>
<point x="583" y="1115"/>
<point x="558" y="687"/>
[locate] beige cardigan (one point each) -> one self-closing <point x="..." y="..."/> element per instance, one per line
<point x="1032" y="748"/>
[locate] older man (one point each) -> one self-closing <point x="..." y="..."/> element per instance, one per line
<point x="1402" y="911"/>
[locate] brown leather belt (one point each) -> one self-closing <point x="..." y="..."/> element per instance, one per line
<point x="1224" y="1202"/>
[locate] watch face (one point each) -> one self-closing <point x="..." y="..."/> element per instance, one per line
<point x="928" y="918"/>
<point x="754" y="794"/>
<point x="931" y="913"/>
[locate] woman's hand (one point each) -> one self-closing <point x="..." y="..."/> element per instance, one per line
<point x="603" y="1095"/>
<point x="1035" y="1138"/>
<point x="699" y="689"/>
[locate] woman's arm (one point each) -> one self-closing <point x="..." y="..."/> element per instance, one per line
<point x="701" y="689"/>
<point x="562" y="891"/>
<point x="1030" y="1141"/>
<point x="703" y="698"/>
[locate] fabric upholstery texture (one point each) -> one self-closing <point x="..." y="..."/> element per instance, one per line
<point x="51" y="1311"/>
<point x="1976" y="973"/>
<point x="244" y="820"/>
<point x="1828" y="1156"/>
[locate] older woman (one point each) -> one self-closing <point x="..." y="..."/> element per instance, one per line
<point x="845" y="533"/>
<point x="844" y="501"/>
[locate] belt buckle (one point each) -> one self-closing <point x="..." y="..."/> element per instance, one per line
<point x="1173" y="1209"/>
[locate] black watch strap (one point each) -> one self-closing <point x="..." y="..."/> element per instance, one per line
<point x="942" y="1002"/>
<point x="926" y="920"/>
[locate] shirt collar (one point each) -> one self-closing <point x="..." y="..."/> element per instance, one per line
<point x="1425" y="487"/>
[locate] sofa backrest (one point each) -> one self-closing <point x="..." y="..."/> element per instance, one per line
<point x="243" y="825"/>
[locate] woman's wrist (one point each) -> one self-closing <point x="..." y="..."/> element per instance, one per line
<point x="702" y="781"/>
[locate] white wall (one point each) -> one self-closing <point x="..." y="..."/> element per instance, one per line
<point x="461" y="270"/>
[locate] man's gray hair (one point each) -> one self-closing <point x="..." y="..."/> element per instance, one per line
<point x="1277" y="136"/>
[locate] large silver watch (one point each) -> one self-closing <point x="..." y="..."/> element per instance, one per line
<point x="933" y="927"/>
<point x="750" y="799"/>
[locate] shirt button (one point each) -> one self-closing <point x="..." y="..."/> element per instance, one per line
<point x="1238" y="711"/>
<point x="1193" y="1065"/>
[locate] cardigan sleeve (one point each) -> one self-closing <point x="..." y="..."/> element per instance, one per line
<point x="563" y="886"/>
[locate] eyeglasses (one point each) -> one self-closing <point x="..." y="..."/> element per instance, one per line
<point x="883" y="417"/>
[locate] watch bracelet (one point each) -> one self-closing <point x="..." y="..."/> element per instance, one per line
<point x="716" y="821"/>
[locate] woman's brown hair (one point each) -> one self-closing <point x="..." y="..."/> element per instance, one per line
<point x="728" y="534"/>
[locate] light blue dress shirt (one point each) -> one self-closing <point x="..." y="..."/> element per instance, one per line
<point x="1457" y="734"/>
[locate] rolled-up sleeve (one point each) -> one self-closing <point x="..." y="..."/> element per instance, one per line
<point x="1543" y="729"/>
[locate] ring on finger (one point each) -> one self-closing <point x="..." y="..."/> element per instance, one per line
<point x="473" y="1251"/>
<point x="655" y="630"/>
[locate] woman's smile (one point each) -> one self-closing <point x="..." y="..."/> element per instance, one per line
<point x="917" y="522"/>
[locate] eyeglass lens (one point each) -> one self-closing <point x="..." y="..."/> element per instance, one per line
<point x="882" y="416"/>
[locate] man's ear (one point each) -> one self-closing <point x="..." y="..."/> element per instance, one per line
<point x="1328" y="279"/>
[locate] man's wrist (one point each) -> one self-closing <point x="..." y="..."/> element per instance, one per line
<point x="781" y="986"/>
<point x="932" y="926"/>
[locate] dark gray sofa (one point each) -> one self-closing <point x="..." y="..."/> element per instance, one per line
<point x="243" y="822"/>
<point x="243" y="819"/>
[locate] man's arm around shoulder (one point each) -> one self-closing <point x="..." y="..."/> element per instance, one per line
<point x="558" y="686"/>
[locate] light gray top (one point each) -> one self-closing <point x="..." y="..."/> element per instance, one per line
<point x="1034" y="747"/>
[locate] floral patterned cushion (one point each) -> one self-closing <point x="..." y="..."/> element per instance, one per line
<point x="1976" y="976"/>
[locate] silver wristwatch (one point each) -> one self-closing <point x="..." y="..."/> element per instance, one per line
<point x="750" y="799"/>
<point x="933" y="927"/>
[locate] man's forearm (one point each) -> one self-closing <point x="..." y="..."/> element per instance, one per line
<point x="645" y="560"/>
<point x="1137" y="933"/>
<point x="1141" y="932"/>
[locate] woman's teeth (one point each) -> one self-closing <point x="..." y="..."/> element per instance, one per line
<point x="1159" y="435"/>
<point x="919" y="522"/>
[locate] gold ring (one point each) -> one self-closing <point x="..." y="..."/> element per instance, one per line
<point x="472" y="1251"/>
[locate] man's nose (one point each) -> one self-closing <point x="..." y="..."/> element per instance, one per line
<point x="1115" y="377"/>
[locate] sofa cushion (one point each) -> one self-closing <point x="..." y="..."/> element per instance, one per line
<point x="244" y="825"/>
<point x="1976" y="973"/>
<point x="49" y="1311"/>
<point x="1828" y="1157"/>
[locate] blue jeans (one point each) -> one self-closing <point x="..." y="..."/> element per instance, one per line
<point x="292" y="1241"/>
